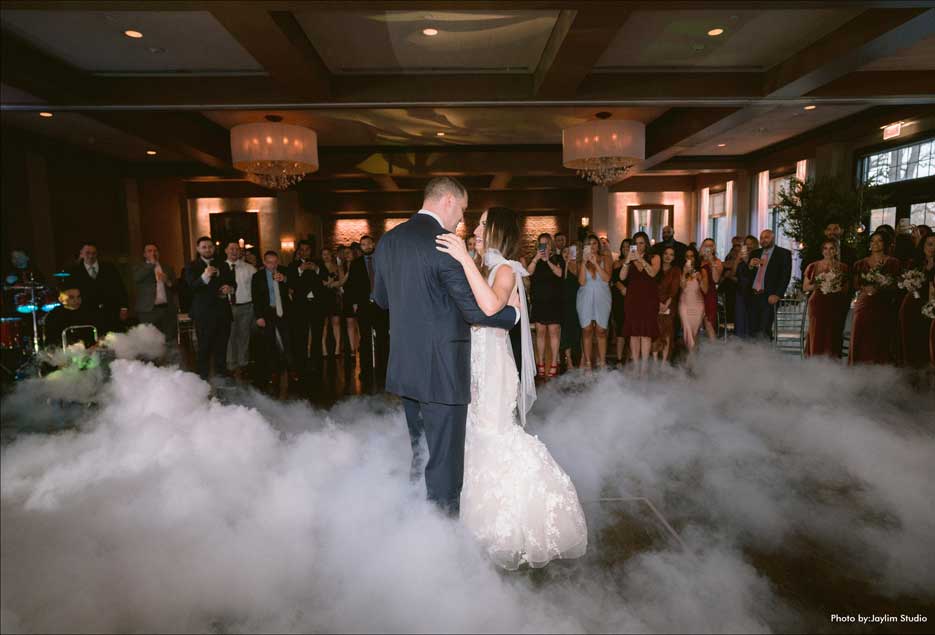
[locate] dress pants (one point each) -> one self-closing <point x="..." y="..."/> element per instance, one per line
<point x="761" y="316"/>
<point x="277" y="347"/>
<point x="212" y="332"/>
<point x="238" y="345"/>
<point x="443" y="426"/>
<point x="369" y="315"/>
<point x="307" y="321"/>
<point x="163" y="319"/>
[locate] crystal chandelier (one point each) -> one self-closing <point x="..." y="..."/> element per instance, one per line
<point x="602" y="151"/>
<point x="273" y="154"/>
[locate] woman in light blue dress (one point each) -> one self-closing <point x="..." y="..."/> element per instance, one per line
<point x="594" y="301"/>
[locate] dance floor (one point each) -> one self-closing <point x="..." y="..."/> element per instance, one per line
<point x="749" y="492"/>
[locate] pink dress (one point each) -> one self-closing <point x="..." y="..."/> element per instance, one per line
<point x="691" y="311"/>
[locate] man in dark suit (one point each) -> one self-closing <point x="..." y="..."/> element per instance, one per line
<point x="372" y="319"/>
<point x="773" y="269"/>
<point x="306" y="314"/>
<point x="270" y="293"/>
<point x="212" y="287"/>
<point x="102" y="290"/>
<point x="155" y="293"/>
<point x="668" y="240"/>
<point x="431" y="308"/>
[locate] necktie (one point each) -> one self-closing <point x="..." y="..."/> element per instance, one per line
<point x="93" y="271"/>
<point x="160" y="287"/>
<point x="760" y="273"/>
<point x="278" y="298"/>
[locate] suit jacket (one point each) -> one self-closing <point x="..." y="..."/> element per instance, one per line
<point x="778" y="271"/>
<point x="310" y="280"/>
<point x="431" y="309"/>
<point x="259" y="289"/>
<point x="105" y="293"/>
<point x="680" y="249"/>
<point x="144" y="277"/>
<point x="357" y="288"/>
<point x="206" y="302"/>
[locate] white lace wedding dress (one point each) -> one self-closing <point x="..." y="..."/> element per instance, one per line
<point x="516" y="500"/>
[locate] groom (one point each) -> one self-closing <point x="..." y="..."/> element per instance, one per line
<point x="431" y="309"/>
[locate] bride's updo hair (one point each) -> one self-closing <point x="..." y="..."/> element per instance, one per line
<point x="502" y="231"/>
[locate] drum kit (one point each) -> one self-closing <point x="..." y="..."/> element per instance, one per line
<point x="25" y="305"/>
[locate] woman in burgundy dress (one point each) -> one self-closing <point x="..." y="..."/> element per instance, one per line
<point x="828" y="304"/>
<point x="711" y="268"/>
<point x="914" y="328"/>
<point x="874" y="327"/>
<point x="669" y="280"/>
<point x="641" y="323"/>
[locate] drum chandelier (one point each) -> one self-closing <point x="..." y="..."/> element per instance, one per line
<point x="274" y="154"/>
<point x="602" y="151"/>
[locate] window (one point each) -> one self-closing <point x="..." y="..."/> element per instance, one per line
<point x="776" y="186"/>
<point x="882" y="216"/>
<point x="903" y="163"/>
<point x="718" y="223"/>
<point x="922" y="214"/>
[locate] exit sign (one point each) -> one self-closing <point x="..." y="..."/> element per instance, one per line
<point x="892" y="130"/>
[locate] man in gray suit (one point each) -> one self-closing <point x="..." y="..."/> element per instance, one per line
<point x="156" y="302"/>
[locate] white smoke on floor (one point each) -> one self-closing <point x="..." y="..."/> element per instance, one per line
<point x="172" y="512"/>
<point x="143" y="341"/>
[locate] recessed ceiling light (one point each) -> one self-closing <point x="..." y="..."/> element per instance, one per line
<point x="715" y="32"/>
<point x="721" y="145"/>
<point x="431" y="32"/>
<point x="439" y="134"/>
<point x="151" y="153"/>
<point x="134" y="34"/>
<point x="810" y="107"/>
<point x="45" y="114"/>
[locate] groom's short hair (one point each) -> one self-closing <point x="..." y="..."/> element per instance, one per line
<point x="441" y="185"/>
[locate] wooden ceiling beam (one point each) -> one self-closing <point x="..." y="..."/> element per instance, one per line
<point x="889" y="83"/>
<point x="578" y="40"/>
<point x="409" y="201"/>
<point x="279" y="44"/>
<point x="43" y="76"/>
<point x="871" y="35"/>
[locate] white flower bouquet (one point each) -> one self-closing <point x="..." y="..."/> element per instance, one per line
<point x="912" y="281"/>
<point x="830" y="282"/>
<point x="877" y="279"/>
<point x="928" y="309"/>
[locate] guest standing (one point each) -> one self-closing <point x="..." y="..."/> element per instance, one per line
<point x="773" y="271"/>
<point x="593" y="302"/>
<point x="546" y="270"/>
<point x="306" y="313"/>
<point x="668" y="240"/>
<point x="156" y="303"/>
<point x="242" y="321"/>
<point x="668" y="282"/>
<point x="330" y="273"/>
<point x="915" y="328"/>
<point x="372" y="319"/>
<point x="618" y="291"/>
<point x="271" y="310"/>
<point x="744" y="292"/>
<point x="102" y="290"/>
<point x="713" y="269"/>
<point x="571" y="328"/>
<point x="642" y="302"/>
<point x="212" y="288"/>
<point x="873" y="329"/>
<point x="691" y="301"/>
<point x="727" y="285"/>
<point x="827" y="311"/>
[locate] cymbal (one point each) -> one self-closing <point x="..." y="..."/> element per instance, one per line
<point x="24" y="287"/>
<point x="61" y="274"/>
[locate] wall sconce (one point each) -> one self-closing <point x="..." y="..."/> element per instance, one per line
<point x="287" y="244"/>
<point x="585" y="221"/>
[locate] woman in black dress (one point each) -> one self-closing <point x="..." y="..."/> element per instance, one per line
<point x="330" y="273"/>
<point x="618" y="291"/>
<point x="547" y="269"/>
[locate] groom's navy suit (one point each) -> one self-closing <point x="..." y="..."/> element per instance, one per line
<point x="431" y="309"/>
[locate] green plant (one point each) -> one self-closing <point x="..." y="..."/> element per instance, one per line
<point x="807" y="207"/>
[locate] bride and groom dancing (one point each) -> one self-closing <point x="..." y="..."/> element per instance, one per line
<point x="452" y="364"/>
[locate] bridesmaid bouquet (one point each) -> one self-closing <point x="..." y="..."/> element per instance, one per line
<point x="876" y="278"/>
<point x="928" y="309"/>
<point x="912" y="281"/>
<point x="830" y="282"/>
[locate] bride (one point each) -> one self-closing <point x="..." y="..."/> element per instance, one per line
<point x="516" y="500"/>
